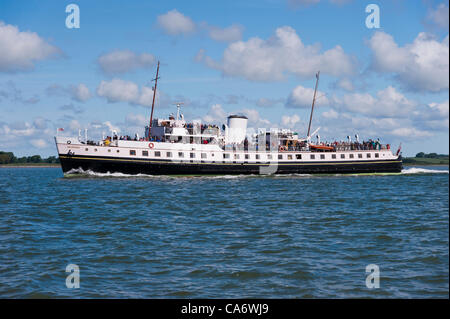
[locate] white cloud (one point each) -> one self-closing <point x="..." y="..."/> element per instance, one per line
<point x="439" y="16"/>
<point x="229" y="34"/>
<point x="290" y="121"/>
<point x="422" y="65"/>
<point x="118" y="90"/>
<point x="268" y="60"/>
<point x="119" y="62"/>
<point x="136" y="120"/>
<point x="175" y="23"/>
<point x="330" y="114"/>
<point x="388" y="103"/>
<point x="302" y="97"/>
<point x="80" y="93"/>
<point x="39" y="143"/>
<point x="410" y="132"/>
<point x="21" y="49"/>
<point x="216" y="114"/>
<point x="345" y="84"/>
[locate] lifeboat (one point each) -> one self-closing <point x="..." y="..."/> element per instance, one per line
<point x="321" y="147"/>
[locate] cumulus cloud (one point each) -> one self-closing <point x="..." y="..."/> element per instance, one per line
<point x="10" y="92"/>
<point x="302" y="97"/>
<point x="119" y="62"/>
<point x="439" y="16"/>
<point x="118" y="90"/>
<point x="387" y="103"/>
<point x="175" y="23"/>
<point x="21" y="49"/>
<point x="39" y="143"/>
<point x="268" y="60"/>
<point x="290" y="121"/>
<point x="216" y="114"/>
<point x="422" y="65"/>
<point x="228" y="34"/>
<point x="79" y="93"/>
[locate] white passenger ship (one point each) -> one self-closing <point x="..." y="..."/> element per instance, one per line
<point x="174" y="147"/>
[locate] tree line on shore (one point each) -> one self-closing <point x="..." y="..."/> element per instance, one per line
<point x="9" y="158"/>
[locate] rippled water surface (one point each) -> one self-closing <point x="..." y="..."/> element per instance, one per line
<point x="230" y="237"/>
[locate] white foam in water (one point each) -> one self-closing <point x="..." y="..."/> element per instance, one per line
<point x="418" y="170"/>
<point x="108" y="174"/>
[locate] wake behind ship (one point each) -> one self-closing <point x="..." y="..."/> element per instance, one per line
<point x="173" y="146"/>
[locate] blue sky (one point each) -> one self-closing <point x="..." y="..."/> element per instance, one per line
<point x="257" y="58"/>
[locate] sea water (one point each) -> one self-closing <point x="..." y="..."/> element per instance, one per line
<point x="294" y="236"/>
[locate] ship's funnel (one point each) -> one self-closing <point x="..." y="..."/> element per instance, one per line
<point x="236" y="129"/>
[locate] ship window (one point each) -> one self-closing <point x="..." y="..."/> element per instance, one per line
<point x="246" y="156"/>
<point x="157" y="154"/>
<point x="203" y="155"/>
<point x="109" y="151"/>
<point x="226" y="155"/>
<point x="289" y="157"/>
<point x="132" y="152"/>
<point x="269" y="156"/>
<point x="359" y="155"/>
<point x="257" y="156"/>
<point x="280" y="156"/>
<point x="368" y="155"/>
<point x="333" y="156"/>
<point x="322" y="156"/>
<point x="144" y="153"/>
<point x="180" y="154"/>
<point x="192" y="155"/>
<point x="95" y="150"/>
<point x="312" y="156"/>
<point x="351" y="155"/>
<point x="377" y="155"/>
<point x="342" y="155"/>
<point x="86" y="149"/>
<point x="236" y="156"/>
<point x="298" y="156"/>
<point x="169" y="154"/>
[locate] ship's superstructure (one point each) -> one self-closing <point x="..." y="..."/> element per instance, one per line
<point x="174" y="146"/>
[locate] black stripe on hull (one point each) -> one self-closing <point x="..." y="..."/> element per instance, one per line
<point x="168" y="167"/>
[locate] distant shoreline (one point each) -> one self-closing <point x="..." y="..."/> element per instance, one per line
<point x="29" y="165"/>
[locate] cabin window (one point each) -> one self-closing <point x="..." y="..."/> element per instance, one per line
<point x="157" y="154"/>
<point x="144" y="153"/>
<point x="203" y="155"/>
<point x="313" y="156"/>
<point x="333" y="156"/>
<point x="109" y="151"/>
<point x="236" y="156"/>
<point x="280" y="156"/>
<point x="180" y="154"/>
<point x="257" y="156"/>
<point x="132" y="152"/>
<point x="351" y="155"/>
<point x="359" y="155"/>
<point x="192" y="155"/>
<point x="226" y="155"/>
<point x="322" y="156"/>
<point x="95" y="150"/>
<point x="298" y="156"/>
<point x="377" y="155"/>
<point x="246" y="156"/>
<point x="289" y="157"/>
<point x="342" y="155"/>
<point x="269" y="156"/>
<point x="368" y="155"/>
<point x="86" y="149"/>
<point x="169" y="154"/>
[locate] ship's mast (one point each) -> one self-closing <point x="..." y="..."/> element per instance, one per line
<point x="153" y="103"/>
<point x="314" y="100"/>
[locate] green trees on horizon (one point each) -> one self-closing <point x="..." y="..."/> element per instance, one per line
<point x="430" y="155"/>
<point x="9" y="158"/>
